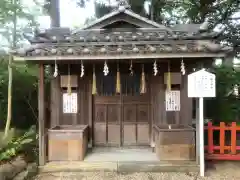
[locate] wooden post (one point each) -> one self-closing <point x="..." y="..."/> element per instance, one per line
<point x="210" y="138"/>
<point x="41" y="116"/>
<point x="222" y="137"/>
<point x="90" y="112"/>
<point x="201" y="136"/>
<point x="197" y="132"/>
<point x="234" y="138"/>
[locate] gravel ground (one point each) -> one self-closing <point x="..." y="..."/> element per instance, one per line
<point x="219" y="171"/>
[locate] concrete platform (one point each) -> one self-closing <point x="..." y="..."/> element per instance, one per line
<point x="121" y="154"/>
<point x="120" y="160"/>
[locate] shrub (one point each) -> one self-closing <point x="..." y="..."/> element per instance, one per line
<point x="25" y="144"/>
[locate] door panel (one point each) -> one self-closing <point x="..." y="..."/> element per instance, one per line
<point x="142" y="113"/>
<point x="136" y="121"/>
<point x="129" y="124"/>
<point x="107" y="119"/>
<point x="143" y="124"/>
<point x="129" y="114"/>
<point x="121" y="120"/>
<point x="100" y="124"/>
<point x="113" y="125"/>
<point x="129" y="134"/>
<point x="143" y="134"/>
<point x="100" y="134"/>
<point x="114" y="135"/>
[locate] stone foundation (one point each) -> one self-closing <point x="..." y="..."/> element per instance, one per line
<point x="17" y="169"/>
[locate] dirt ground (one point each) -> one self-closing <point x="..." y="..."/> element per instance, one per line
<point x="215" y="171"/>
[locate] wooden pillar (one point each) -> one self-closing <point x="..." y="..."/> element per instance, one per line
<point x="90" y="113"/>
<point x="41" y="116"/>
<point x="55" y="102"/>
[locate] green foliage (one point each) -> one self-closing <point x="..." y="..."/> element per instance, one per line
<point x="12" y="133"/>
<point x="225" y="107"/>
<point x="25" y="21"/>
<point x="24" y="96"/>
<point x="182" y="12"/>
<point x="19" y="145"/>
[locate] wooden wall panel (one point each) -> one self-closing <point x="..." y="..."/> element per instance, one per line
<point x="186" y="104"/>
<point x="129" y="134"/>
<point x="114" y="134"/>
<point x="143" y="134"/>
<point x="157" y="100"/>
<point x="129" y="123"/>
<point x="69" y="119"/>
<point x="84" y="104"/>
<point x="142" y="113"/>
<point x="113" y="124"/>
<point x="159" y="114"/>
<point x="100" y="114"/>
<point x="100" y="134"/>
<point x="55" y="102"/>
<point x="113" y="114"/>
<point x="84" y="96"/>
<point x="129" y="114"/>
<point x="100" y="125"/>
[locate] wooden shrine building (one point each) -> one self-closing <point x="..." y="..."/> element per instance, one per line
<point x="118" y="82"/>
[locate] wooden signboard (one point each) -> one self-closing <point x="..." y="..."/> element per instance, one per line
<point x="201" y="84"/>
<point x="172" y="100"/>
<point x="70" y="103"/>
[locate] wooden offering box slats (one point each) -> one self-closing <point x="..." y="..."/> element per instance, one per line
<point x="175" y="142"/>
<point x="68" y="143"/>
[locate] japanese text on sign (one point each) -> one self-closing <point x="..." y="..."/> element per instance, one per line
<point x="70" y="103"/>
<point x="201" y="84"/>
<point x="172" y="100"/>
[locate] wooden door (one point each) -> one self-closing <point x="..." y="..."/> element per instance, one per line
<point x="121" y="120"/>
<point x="107" y="121"/>
<point x="136" y="120"/>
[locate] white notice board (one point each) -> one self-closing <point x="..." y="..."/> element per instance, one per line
<point x="172" y="100"/>
<point x="70" y="103"/>
<point x="201" y="84"/>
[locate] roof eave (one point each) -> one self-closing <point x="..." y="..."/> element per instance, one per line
<point x="122" y="56"/>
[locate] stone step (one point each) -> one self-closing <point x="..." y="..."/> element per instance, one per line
<point x="136" y="166"/>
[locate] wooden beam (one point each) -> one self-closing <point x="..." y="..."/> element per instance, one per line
<point x="120" y="56"/>
<point x="91" y="44"/>
<point x="41" y="116"/>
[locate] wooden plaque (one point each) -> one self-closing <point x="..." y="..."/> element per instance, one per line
<point x="73" y="81"/>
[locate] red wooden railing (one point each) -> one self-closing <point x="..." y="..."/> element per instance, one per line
<point x="222" y="151"/>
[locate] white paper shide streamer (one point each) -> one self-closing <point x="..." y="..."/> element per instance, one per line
<point x="55" y="74"/>
<point x="131" y="69"/>
<point x="105" y="69"/>
<point x="82" y="70"/>
<point x="155" y="68"/>
<point x="183" y="68"/>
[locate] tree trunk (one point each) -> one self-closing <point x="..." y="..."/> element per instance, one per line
<point x="10" y="73"/>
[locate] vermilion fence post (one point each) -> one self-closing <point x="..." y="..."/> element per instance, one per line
<point x="232" y="153"/>
<point x="233" y="138"/>
<point x="222" y="137"/>
<point x="210" y="138"/>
